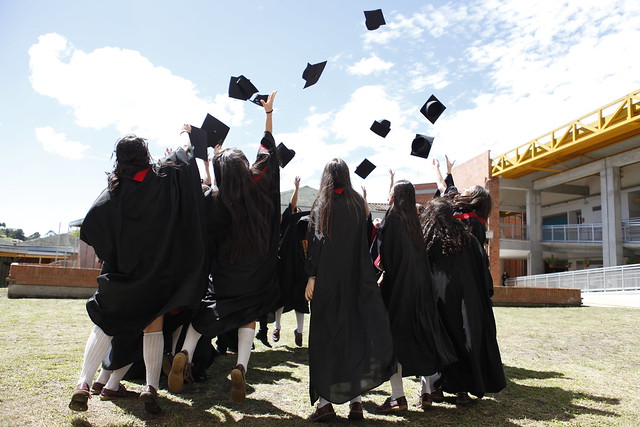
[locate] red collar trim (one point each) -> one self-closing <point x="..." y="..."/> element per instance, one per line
<point x="141" y="175"/>
<point x="470" y="215"/>
<point x="256" y="179"/>
<point x="338" y="190"/>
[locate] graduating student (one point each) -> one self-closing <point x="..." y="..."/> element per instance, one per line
<point x="421" y="344"/>
<point x="291" y="259"/>
<point x="463" y="289"/>
<point x="148" y="229"/>
<point x="350" y="345"/>
<point x="242" y="224"/>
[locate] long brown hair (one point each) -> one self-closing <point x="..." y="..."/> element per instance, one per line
<point x="478" y="201"/>
<point x="132" y="155"/>
<point x="441" y="231"/>
<point x="404" y="205"/>
<point x="250" y="209"/>
<point x="334" y="176"/>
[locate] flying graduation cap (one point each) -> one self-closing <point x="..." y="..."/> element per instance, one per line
<point x="381" y="127"/>
<point x="365" y="168"/>
<point x="284" y="154"/>
<point x="312" y="73"/>
<point x="211" y="133"/>
<point x="374" y="19"/>
<point x="432" y="109"/>
<point x="421" y="146"/>
<point x="257" y="98"/>
<point x="241" y="88"/>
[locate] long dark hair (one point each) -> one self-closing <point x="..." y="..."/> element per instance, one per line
<point x="404" y="205"/>
<point x="478" y="200"/>
<point x="335" y="175"/>
<point x="132" y="155"/>
<point x="249" y="207"/>
<point x="441" y="231"/>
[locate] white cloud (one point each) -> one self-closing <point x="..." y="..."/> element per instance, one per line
<point x="369" y="65"/>
<point x="58" y="143"/>
<point x="121" y="88"/>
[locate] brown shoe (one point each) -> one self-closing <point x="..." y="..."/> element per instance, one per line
<point x="297" y="337"/>
<point x="392" y="405"/>
<point x="175" y="380"/>
<point x="276" y="335"/>
<point x="355" y="411"/>
<point x="167" y="362"/>
<point x="96" y="388"/>
<point x="121" y="393"/>
<point x="80" y="397"/>
<point x="437" y="395"/>
<point x="424" y="401"/>
<point x="149" y="397"/>
<point x="463" y="398"/>
<point x="238" y="384"/>
<point x="323" y="414"/>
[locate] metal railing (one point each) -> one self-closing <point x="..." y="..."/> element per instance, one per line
<point x="631" y="230"/>
<point x="583" y="233"/>
<point x="618" y="278"/>
<point x="513" y="231"/>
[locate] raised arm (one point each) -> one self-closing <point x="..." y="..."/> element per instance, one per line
<point x="367" y="211"/>
<point x="268" y="108"/>
<point x="294" y="196"/>
<point x="442" y="186"/>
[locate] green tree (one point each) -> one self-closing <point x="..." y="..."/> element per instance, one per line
<point x="35" y="235"/>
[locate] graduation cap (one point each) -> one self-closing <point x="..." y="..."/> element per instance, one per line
<point x="284" y="154"/>
<point x="312" y="73"/>
<point x="374" y="19"/>
<point x="257" y="99"/>
<point x="421" y="146"/>
<point x="241" y="88"/>
<point x="365" y="168"/>
<point x="381" y="127"/>
<point x="211" y="133"/>
<point x="432" y="109"/>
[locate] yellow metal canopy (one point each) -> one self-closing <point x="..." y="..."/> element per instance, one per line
<point x="615" y="122"/>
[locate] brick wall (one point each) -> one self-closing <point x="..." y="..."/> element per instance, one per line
<point x="533" y="296"/>
<point x="51" y="275"/>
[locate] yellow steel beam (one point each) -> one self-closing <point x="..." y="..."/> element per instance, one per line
<point x="615" y="122"/>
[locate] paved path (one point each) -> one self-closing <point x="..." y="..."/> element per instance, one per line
<point x="612" y="299"/>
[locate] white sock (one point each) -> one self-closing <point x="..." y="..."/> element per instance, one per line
<point x="175" y="336"/>
<point x="356" y="400"/>
<point x="94" y="352"/>
<point x="191" y="341"/>
<point x="427" y="383"/>
<point x="397" y="389"/>
<point x="245" y="340"/>
<point x="116" y="377"/>
<point x="278" y="317"/>
<point x="104" y="376"/>
<point x="300" y="320"/>
<point x="152" y="348"/>
<point x="322" y="402"/>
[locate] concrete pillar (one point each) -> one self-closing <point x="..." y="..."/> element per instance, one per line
<point x="611" y="216"/>
<point x="535" y="263"/>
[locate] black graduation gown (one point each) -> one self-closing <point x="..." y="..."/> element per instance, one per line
<point x="463" y="286"/>
<point x="242" y="291"/>
<point x="291" y="259"/>
<point x="420" y="342"/>
<point x="150" y="236"/>
<point x="350" y="345"/>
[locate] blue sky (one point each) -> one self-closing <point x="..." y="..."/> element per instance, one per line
<point x="76" y="75"/>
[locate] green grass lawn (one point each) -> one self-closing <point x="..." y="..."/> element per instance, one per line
<point x="576" y="366"/>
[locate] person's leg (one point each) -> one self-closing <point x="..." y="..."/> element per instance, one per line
<point x="263" y="332"/>
<point x="323" y="412"/>
<point x="397" y="389"/>
<point x="277" y="326"/>
<point x="152" y="350"/>
<point x="94" y="352"/>
<point x="245" y="340"/>
<point x="297" y="334"/>
<point x="175" y="381"/>
<point x="397" y="401"/>
<point x="100" y="382"/>
<point x="113" y="389"/>
<point x="355" y="409"/>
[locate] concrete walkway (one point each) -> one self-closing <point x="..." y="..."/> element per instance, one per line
<point x="629" y="299"/>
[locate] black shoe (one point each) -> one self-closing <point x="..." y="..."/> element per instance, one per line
<point x="392" y="405"/>
<point x="80" y="397"/>
<point x="149" y="397"/>
<point x="424" y="401"/>
<point x="323" y="414"/>
<point x="297" y="337"/>
<point x="463" y="398"/>
<point x="262" y="335"/>
<point x="355" y="411"/>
